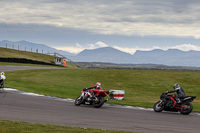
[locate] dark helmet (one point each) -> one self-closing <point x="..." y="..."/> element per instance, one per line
<point x="176" y="86"/>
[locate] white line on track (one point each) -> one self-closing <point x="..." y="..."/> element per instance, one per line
<point x="38" y="95"/>
<point x="72" y="100"/>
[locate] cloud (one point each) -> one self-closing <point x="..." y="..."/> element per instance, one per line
<point x="78" y="47"/>
<point x="74" y="50"/>
<point x="129" y="17"/>
<point x="101" y="44"/>
<point x="186" y="47"/>
<point x="127" y="50"/>
<point x="182" y="47"/>
<point x="98" y="44"/>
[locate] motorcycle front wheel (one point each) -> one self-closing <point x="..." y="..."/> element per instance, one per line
<point x="78" y="101"/>
<point x="187" y="109"/>
<point x="158" y="106"/>
<point x="99" y="102"/>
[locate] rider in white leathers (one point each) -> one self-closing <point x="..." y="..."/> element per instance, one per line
<point x="2" y="78"/>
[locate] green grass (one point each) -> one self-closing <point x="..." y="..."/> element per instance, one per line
<point x="142" y="87"/>
<point x="10" y="53"/>
<point x="24" y="127"/>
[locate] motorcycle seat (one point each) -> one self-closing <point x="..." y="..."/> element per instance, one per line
<point x="188" y="97"/>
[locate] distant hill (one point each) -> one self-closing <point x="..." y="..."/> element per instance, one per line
<point x="106" y="54"/>
<point x="29" y="46"/>
<point x="171" y="57"/>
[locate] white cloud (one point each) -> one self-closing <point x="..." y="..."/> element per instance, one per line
<point x="127" y="50"/>
<point x="78" y="47"/>
<point x="74" y="50"/>
<point x="133" y="50"/>
<point x="182" y="47"/>
<point x="98" y="44"/>
<point x="101" y="44"/>
<point x="119" y="17"/>
<point x="186" y="47"/>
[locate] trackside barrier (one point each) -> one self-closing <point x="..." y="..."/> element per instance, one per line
<point x="116" y="94"/>
<point x="23" y="60"/>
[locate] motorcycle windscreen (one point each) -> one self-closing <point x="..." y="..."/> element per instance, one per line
<point x="116" y="94"/>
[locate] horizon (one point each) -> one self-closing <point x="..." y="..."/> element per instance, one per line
<point x="172" y="48"/>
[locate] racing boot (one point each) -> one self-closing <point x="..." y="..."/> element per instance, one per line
<point x="178" y="101"/>
<point x="1" y="86"/>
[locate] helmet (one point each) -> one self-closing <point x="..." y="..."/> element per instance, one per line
<point x="176" y="86"/>
<point x="98" y="84"/>
<point x="2" y="73"/>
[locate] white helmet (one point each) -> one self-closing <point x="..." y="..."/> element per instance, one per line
<point x="98" y="84"/>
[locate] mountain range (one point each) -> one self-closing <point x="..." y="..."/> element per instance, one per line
<point x="171" y="57"/>
<point x="29" y="46"/>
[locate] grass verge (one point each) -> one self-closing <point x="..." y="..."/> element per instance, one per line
<point x="142" y="87"/>
<point x="24" y="127"/>
<point x="11" y="53"/>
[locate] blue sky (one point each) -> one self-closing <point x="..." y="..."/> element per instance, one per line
<point x="128" y="25"/>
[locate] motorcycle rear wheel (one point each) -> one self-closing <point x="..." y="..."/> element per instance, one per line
<point x="78" y="101"/>
<point x="158" y="106"/>
<point x="98" y="103"/>
<point x="187" y="110"/>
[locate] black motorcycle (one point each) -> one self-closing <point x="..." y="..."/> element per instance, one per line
<point x="168" y="103"/>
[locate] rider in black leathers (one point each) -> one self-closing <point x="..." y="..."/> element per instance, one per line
<point x="180" y="92"/>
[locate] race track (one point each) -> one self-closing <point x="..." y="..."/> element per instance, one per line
<point x="12" y="68"/>
<point x="39" y="109"/>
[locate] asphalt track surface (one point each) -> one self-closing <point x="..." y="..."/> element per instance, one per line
<point x="40" y="109"/>
<point x="12" y="68"/>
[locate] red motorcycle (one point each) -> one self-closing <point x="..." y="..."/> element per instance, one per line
<point x="97" y="100"/>
<point x="168" y="103"/>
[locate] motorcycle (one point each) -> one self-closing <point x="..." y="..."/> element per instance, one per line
<point x="168" y="103"/>
<point x="97" y="100"/>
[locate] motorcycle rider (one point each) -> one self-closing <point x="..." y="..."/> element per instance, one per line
<point x="92" y="89"/>
<point x="180" y="92"/>
<point x="2" y="78"/>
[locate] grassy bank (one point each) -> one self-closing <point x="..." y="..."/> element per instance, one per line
<point x="23" y="127"/>
<point x="11" y="53"/>
<point x="142" y="87"/>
